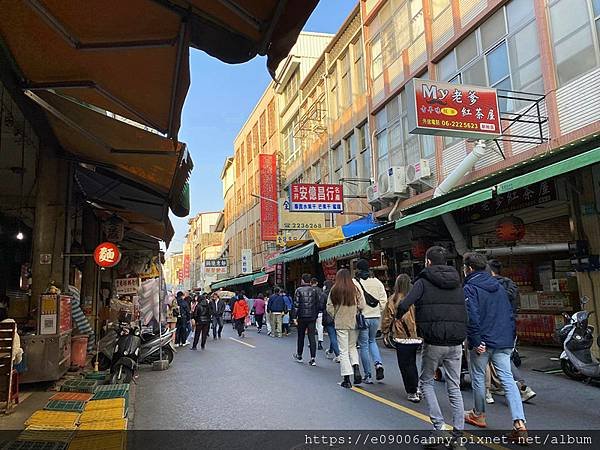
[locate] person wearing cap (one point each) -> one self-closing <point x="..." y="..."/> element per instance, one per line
<point x="376" y="299"/>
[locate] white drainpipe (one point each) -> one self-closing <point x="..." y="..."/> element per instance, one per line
<point x="466" y="165"/>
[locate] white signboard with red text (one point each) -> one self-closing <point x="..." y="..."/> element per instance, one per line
<point x="446" y="109"/>
<point x="319" y="198"/>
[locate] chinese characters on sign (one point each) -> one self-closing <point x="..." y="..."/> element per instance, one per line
<point x="268" y="197"/>
<point x="318" y="198"/>
<point x="447" y="109"/>
<point x="215" y="266"/>
<point x="297" y="220"/>
<point x="127" y="286"/>
<point x="246" y="260"/>
<point x="107" y="255"/>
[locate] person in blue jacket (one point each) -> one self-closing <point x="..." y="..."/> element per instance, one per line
<point x="490" y="336"/>
<point x="286" y="317"/>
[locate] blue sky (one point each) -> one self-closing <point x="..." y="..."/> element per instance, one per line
<point x="220" y="99"/>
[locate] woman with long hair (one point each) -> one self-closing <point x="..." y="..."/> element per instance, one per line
<point x="402" y="333"/>
<point x="344" y="302"/>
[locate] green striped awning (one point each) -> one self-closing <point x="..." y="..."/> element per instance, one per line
<point x="349" y="248"/>
<point x="292" y="255"/>
<point x="452" y="205"/>
<point x="238" y="280"/>
<point x="552" y="170"/>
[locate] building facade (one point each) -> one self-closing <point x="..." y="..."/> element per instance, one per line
<point x="172" y="269"/>
<point x="202" y="242"/>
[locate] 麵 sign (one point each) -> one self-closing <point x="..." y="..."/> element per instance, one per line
<point x="318" y="198"/>
<point x="447" y="109"/>
<point x="107" y="255"/>
<point x="268" y="197"/>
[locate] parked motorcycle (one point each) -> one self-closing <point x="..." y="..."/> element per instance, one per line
<point x="577" y="337"/>
<point x="125" y="355"/>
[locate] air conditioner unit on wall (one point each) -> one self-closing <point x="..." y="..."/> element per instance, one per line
<point x="392" y="183"/>
<point x="373" y="196"/>
<point x="418" y="171"/>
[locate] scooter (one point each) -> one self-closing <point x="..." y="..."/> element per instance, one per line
<point x="577" y="337"/>
<point x="125" y="355"/>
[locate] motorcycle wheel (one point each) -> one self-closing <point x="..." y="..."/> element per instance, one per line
<point x="122" y="375"/>
<point x="570" y="370"/>
<point x="103" y="362"/>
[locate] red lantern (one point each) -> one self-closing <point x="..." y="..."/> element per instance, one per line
<point x="510" y="229"/>
<point x="107" y="255"/>
<point x="419" y="248"/>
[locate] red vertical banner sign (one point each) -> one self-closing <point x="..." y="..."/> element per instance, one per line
<point x="269" y="216"/>
<point x="186" y="267"/>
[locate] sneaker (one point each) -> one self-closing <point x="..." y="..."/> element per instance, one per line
<point x="436" y="439"/>
<point x="193" y="348"/>
<point x="336" y="359"/>
<point x="475" y="419"/>
<point x="312" y="362"/>
<point x="357" y="376"/>
<point x="187" y="343"/>
<point x="526" y="393"/>
<point x="488" y="397"/>
<point x="297" y="357"/>
<point x="497" y="391"/>
<point x="415" y="398"/>
<point x="368" y="380"/>
<point x="328" y="354"/>
<point x="346" y="384"/>
<point x="379" y="372"/>
<point x="518" y="436"/>
<point x="320" y="346"/>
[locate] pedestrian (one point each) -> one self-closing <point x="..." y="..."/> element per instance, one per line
<point x="217" y="309"/>
<point x="232" y="305"/>
<point x="289" y="305"/>
<point x="182" y="320"/>
<point x="375" y="299"/>
<point x="240" y="312"/>
<point x="307" y="305"/>
<point x="319" y="324"/>
<point x="402" y="334"/>
<point x="441" y="318"/>
<point x="269" y="319"/>
<point x="202" y="317"/>
<point x="333" y="352"/>
<point x="277" y="310"/>
<point x="344" y="303"/>
<point x="491" y="336"/>
<point x="259" y="311"/>
<point x="512" y="290"/>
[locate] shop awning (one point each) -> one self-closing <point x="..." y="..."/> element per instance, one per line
<point x="235" y="31"/>
<point x="239" y="280"/>
<point x="566" y="165"/>
<point x="452" y="205"/>
<point x="261" y="280"/>
<point x="326" y="237"/>
<point x="294" y="254"/>
<point x="128" y="57"/>
<point x="95" y="138"/>
<point x="349" y="248"/>
<point x="161" y="230"/>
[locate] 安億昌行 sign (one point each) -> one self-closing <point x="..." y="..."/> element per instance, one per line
<point x="318" y="198"/>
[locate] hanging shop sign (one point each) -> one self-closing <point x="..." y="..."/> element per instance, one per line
<point x="180" y="276"/>
<point x="289" y="220"/>
<point x="114" y="229"/>
<point x="186" y="267"/>
<point x="127" y="286"/>
<point x="279" y="274"/>
<point x="447" y="109"/>
<point x="525" y="197"/>
<point x="510" y="229"/>
<point x="329" y="269"/>
<point x="268" y="197"/>
<point x="107" y="255"/>
<point x="246" y="260"/>
<point x="215" y="266"/>
<point x="317" y="198"/>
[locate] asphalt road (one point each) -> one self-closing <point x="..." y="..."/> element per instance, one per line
<point x="255" y="384"/>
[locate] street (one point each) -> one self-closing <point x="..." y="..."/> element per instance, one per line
<point x="253" y="383"/>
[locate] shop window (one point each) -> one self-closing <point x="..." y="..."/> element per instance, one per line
<point x="290" y="145"/>
<point x="376" y="58"/>
<point x="263" y="128"/>
<point x="365" y="154"/>
<point x="466" y="51"/>
<point x="493" y="29"/>
<point x="249" y="147"/>
<point x="333" y="94"/>
<point x="291" y="88"/>
<point x="351" y="150"/>
<point x="255" y="141"/>
<point x="271" y="118"/>
<point x="338" y="164"/>
<point x="360" y="84"/>
<point x="346" y="82"/>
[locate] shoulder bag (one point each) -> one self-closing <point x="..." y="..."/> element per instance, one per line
<point x="369" y="299"/>
<point x="361" y="323"/>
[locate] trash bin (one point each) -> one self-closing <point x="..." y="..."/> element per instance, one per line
<point x="78" y="351"/>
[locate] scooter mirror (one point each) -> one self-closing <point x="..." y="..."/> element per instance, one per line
<point x="584" y="300"/>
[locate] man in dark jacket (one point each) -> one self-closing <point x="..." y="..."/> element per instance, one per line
<point x="491" y="336"/>
<point x="217" y="309"/>
<point x="185" y="315"/>
<point x="441" y="319"/>
<point x="307" y="306"/>
<point x="202" y="318"/>
<point x="276" y="309"/>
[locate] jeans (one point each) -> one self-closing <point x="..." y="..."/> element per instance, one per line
<point x="181" y="331"/>
<point x="449" y="358"/>
<point x="307" y="327"/>
<point x="201" y="329"/>
<point x="320" y="327"/>
<point x="277" y="325"/>
<point x="500" y="358"/>
<point x="348" y="352"/>
<point x="407" y="362"/>
<point x="333" y="341"/>
<point x="217" y="321"/>
<point x="368" y="346"/>
<point x="188" y="329"/>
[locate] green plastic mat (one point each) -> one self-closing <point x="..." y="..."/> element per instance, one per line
<point x="111" y="391"/>
<point x="65" y="405"/>
<point x="101" y="375"/>
<point x="79" y="386"/>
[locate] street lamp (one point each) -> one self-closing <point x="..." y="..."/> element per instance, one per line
<point x="265" y="198"/>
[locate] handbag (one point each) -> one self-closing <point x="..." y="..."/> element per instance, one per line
<point x="361" y="323"/>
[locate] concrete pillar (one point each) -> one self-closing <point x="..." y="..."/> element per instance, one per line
<point x="90" y="239"/>
<point x="50" y="221"/>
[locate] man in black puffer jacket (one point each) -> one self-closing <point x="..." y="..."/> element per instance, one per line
<point x="441" y="317"/>
<point x="202" y="317"/>
<point x="307" y="306"/>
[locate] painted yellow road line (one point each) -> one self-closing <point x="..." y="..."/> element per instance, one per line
<point x="242" y="342"/>
<point x="417" y="414"/>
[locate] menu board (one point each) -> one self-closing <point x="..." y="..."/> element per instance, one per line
<point x="65" y="314"/>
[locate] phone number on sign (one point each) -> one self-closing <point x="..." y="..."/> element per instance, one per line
<point x="457" y="124"/>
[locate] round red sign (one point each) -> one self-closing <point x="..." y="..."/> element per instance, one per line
<point x="107" y="254"/>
